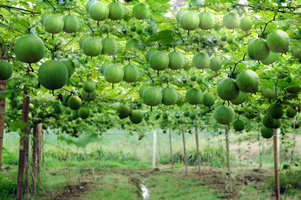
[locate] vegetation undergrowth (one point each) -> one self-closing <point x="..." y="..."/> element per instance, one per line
<point x="66" y="164"/>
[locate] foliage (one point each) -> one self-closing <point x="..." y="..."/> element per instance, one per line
<point x="214" y="156"/>
<point x="81" y="142"/>
<point x="159" y="32"/>
<point x="8" y="187"/>
<point x="294" y="183"/>
<point x="178" y="187"/>
<point x="10" y="158"/>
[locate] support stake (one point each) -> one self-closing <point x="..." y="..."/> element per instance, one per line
<point x="228" y="159"/>
<point x="184" y="146"/>
<point x="154" y="148"/>
<point x="170" y="148"/>
<point x="277" y="189"/>
<point x="198" y="152"/>
<point x="22" y="154"/>
<point x="2" y="115"/>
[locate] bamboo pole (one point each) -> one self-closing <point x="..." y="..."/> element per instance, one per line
<point x="276" y="163"/>
<point x="2" y="115"/>
<point x="184" y="146"/>
<point x="198" y="152"/>
<point x="22" y="153"/>
<point x="228" y="159"/>
<point x="170" y="146"/>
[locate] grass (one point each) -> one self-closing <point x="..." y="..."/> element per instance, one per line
<point x="111" y="187"/>
<point x="113" y="191"/>
<point x="66" y="164"/>
<point x="178" y="187"/>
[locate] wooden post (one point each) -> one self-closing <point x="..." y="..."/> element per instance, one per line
<point x="170" y="146"/>
<point x="291" y="160"/>
<point x="2" y="115"/>
<point x="228" y="158"/>
<point x="278" y="144"/>
<point x="158" y="146"/>
<point x="23" y="143"/>
<point x="184" y="146"/>
<point x="34" y="158"/>
<point x="43" y="149"/>
<point x="27" y="165"/>
<point x="154" y="148"/>
<point x="260" y="148"/>
<point x="198" y="152"/>
<point x="3" y="54"/>
<point x="276" y="165"/>
<point x="39" y="149"/>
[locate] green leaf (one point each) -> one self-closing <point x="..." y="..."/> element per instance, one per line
<point x="241" y="66"/>
<point x="158" y="17"/>
<point x="166" y="36"/>
<point x="162" y="1"/>
<point x="255" y="9"/>
<point x="81" y="142"/>
<point x="6" y="94"/>
<point x="17" y="124"/>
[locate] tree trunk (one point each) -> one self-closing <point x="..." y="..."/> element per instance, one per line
<point x="154" y="148"/>
<point x="2" y="115"/>
<point x="276" y="163"/>
<point x="228" y="159"/>
<point x="170" y="146"/>
<point x="23" y="142"/>
<point x="184" y="146"/>
<point x="198" y="152"/>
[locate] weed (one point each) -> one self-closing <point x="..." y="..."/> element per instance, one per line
<point x="294" y="184"/>
<point x="8" y="187"/>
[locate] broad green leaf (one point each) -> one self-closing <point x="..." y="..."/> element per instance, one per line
<point x="17" y="125"/>
<point x="166" y="36"/>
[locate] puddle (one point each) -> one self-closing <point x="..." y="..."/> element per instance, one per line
<point x="145" y="192"/>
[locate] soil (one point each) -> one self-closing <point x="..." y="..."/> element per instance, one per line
<point x="77" y="191"/>
<point x="212" y="177"/>
<point x="217" y="179"/>
<point x="73" y="191"/>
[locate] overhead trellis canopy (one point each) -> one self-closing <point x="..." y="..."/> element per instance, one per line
<point x="100" y="62"/>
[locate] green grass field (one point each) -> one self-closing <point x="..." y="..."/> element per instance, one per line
<point x="116" y="164"/>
